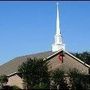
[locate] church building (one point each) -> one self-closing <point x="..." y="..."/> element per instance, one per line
<point x="58" y="57"/>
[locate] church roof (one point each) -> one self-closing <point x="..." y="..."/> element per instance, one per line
<point x="12" y="65"/>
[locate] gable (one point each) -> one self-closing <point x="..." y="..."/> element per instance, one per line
<point x="69" y="62"/>
<point x="15" y="80"/>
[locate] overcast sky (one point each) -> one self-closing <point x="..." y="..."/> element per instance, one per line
<point x="29" y="27"/>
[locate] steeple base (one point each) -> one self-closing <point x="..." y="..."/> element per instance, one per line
<point x="56" y="47"/>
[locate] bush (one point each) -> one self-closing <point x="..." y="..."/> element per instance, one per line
<point x="41" y="86"/>
<point x="7" y="87"/>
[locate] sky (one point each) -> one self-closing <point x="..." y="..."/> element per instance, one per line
<point x="28" y="27"/>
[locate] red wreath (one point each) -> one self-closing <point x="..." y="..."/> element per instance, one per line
<point x="61" y="57"/>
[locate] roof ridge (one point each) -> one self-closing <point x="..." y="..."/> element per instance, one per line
<point x="38" y="53"/>
<point x="24" y="56"/>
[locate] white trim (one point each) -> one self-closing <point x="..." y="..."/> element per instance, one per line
<point x="12" y="74"/>
<point x="52" y="55"/>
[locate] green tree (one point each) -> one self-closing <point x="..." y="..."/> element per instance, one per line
<point x="78" y="80"/>
<point x="7" y="87"/>
<point x="34" y="73"/>
<point x="57" y="77"/>
<point x="3" y="80"/>
<point x="84" y="56"/>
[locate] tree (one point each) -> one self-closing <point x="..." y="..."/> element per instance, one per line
<point x="3" y="80"/>
<point x="34" y="73"/>
<point x="57" y="77"/>
<point x="7" y="87"/>
<point x="78" y="80"/>
<point x="84" y="56"/>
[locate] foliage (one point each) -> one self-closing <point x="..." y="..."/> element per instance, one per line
<point x="78" y="80"/>
<point x="41" y="86"/>
<point x="85" y="56"/>
<point x="75" y="79"/>
<point x="7" y="87"/>
<point x="3" y="80"/>
<point x="15" y="88"/>
<point x="34" y="71"/>
<point x="57" y="77"/>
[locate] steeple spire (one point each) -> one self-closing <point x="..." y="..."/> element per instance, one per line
<point x="57" y="21"/>
<point x="58" y="44"/>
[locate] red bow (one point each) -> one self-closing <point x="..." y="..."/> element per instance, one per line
<point x="61" y="57"/>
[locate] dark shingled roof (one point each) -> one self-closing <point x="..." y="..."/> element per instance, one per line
<point x="12" y="65"/>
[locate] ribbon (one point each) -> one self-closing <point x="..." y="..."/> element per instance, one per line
<point x="60" y="57"/>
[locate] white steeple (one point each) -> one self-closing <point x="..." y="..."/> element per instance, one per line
<point x="58" y="44"/>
